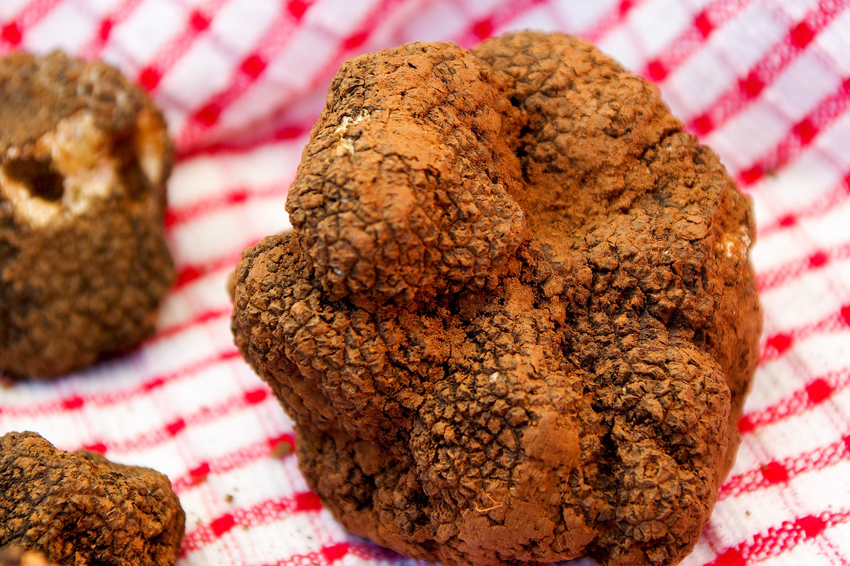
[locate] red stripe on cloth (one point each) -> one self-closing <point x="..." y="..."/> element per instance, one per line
<point x="778" y="344"/>
<point x="780" y="472"/>
<point x="192" y="272"/>
<point x="112" y="397"/>
<point x="784" y="273"/>
<point x="11" y="34"/>
<point x="611" y="20"/>
<point x="246" y="517"/>
<point x="286" y="132"/>
<point x="229" y="462"/>
<point x="812" y="393"/>
<point x="692" y="38"/>
<point x="298" y="8"/>
<point x="193" y="144"/>
<point x="165" y="433"/>
<point x="782" y="538"/>
<point x="222" y="201"/>
<point x="270" y="44"/>
<point x="823" y="205"/>
<point x="765" y="71"/>
<point x="801" y="135"/>
<point x="484" y="27"/>
<point x="96" y="447"/>
<point x="184" y="325"/>
<point x="12" y="31"/>
<point x="324" y="557"/>
<point x="276" y="38"/>
<point x="165" y="58"/>
<point x="94" y="47"/>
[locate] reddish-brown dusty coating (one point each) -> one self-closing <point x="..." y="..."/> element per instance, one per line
<point x="515" y="320"/>
<point x="84" y="157"/>
<point x="80" y="509"/>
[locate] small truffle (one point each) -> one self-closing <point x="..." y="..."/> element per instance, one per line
<point x="84" y="157"/>
<point x="515" y="320"/>
<point x="80" y="509"/>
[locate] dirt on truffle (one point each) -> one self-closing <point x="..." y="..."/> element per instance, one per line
<point x="80" y="509"/>
<point x="515" y="321"/>
<point x="84" y="156"/>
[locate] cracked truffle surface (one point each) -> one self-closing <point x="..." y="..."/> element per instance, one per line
<point x="84" y="156"/>
<point x="515" y="320"/>
<point x="80" y="509"/>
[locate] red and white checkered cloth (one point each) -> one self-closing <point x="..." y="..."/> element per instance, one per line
<point x="766" y="83"/>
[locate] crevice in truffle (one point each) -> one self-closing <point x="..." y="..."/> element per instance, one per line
<point x="37" y="176"/>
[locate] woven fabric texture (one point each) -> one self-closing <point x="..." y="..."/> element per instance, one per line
<point x="766" y="83"/>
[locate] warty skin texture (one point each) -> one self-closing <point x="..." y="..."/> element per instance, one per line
<point x="80" y="509"/>
<point x="84" y="157"/>
<point x="515" y="320"/>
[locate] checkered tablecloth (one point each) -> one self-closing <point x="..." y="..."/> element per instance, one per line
<point x="765" y="83"/>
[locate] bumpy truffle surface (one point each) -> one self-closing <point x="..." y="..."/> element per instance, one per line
<point x="81" y="509"/>
<point x="84" y="156"/>
<point x="515" y="320"/>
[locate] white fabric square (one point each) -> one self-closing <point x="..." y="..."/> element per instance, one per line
<point x="12" y="8"/>
<point x="540" y="19"/>
<point x="839" y="536"/>
<point x="835" y="41"/>
<point x="306" y="51"/>
<point x="827" y="352"/>
<point x="818" y="304"/>
<point x="437" y="21"/>
<point x="698" y="82"/>
<point x="620" y="44"/>
<point x="164" y="457"/>
<point x="780" y="195"/>
<point x="204" y="70"/>
<point x="809" y="490"/>
<point x="748" y="135"/>
<point x="67" y="28"/>
<point x="830" y="229"/>
<point x="797" y="9"/>
<point x="784" y="247"/>
<point x="658" y="23"/>
<point x="260" y="100"/>
<point x="750" y="35"/>
<point x="833" y="141"/>
<point x="766" y="509"/>
<point x="340" y="18"/>
<point x="100" y="6"/>
<point x="151" y="26"/>
<point x="580" y="16"/>
<point x="482" y="8"/>
<point x="775" y="380"/>
<point x="803" y="84"/>
<point x="240" y="25"/>
<point x="124" y="420"/>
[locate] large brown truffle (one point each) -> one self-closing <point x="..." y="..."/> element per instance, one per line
<point x="515" y="321"/>
<point x="84" y="157"/>
<point x="80" y="509"/>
